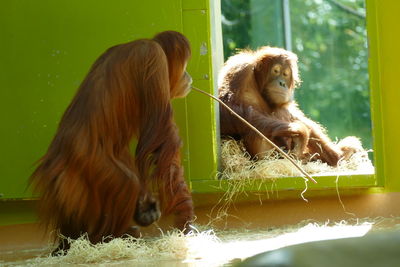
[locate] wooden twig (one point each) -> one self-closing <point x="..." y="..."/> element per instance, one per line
<point x="284" y="154"/>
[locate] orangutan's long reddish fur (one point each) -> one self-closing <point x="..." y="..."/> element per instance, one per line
<point x="89" y="180"/>
<point x="248" y="85"/>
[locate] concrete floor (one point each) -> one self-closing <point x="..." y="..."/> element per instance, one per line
<point x="19" y="243"/>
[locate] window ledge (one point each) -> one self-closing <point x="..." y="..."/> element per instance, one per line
<point x="348" y="180"/>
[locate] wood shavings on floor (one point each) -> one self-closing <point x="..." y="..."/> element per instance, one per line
<point x="205" y="247"/>
<point x="237" y="164"/>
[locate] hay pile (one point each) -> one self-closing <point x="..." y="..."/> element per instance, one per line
<point x="237" y="164"/>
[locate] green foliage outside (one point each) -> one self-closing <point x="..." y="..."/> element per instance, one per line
<point x="330" y="39"/>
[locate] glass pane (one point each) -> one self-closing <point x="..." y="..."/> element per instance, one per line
<point x="330" y="39"/>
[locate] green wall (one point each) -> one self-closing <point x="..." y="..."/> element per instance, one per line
<point x="46" y="49"/>
<point x="384" y="40"/>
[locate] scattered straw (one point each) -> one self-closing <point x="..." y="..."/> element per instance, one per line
<point x="237" y="164"/>
<point x="173" y="246"/>
<point x="206" y="247"/>
<point x="241" y="172"/>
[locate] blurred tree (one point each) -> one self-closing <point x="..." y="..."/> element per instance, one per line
<point x="236" y="25"/>
<point x="330" y="38"/>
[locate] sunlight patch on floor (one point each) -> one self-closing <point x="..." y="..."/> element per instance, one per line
<point x="225" y="251"/>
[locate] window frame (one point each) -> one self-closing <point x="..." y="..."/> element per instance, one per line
<point x="328" y="183"/>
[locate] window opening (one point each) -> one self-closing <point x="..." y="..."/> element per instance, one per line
<point x="330" y="40"/>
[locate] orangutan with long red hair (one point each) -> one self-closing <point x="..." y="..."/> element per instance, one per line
<point x="89" y="181"/>
<point x="259" y="85"/>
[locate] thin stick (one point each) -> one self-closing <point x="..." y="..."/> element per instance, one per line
<point x="259" y="133"/>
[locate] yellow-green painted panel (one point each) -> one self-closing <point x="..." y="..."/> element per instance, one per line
<point x="48" y="46"/>
<point x="46" y="49"/>
<point x="388" y="43"/>
<point x="201" y="115"/>
<point x="195" y="27"/>
<point x="375" y="90"/>
<point x="195" y="4"/>
<point x="202" y="133"/>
